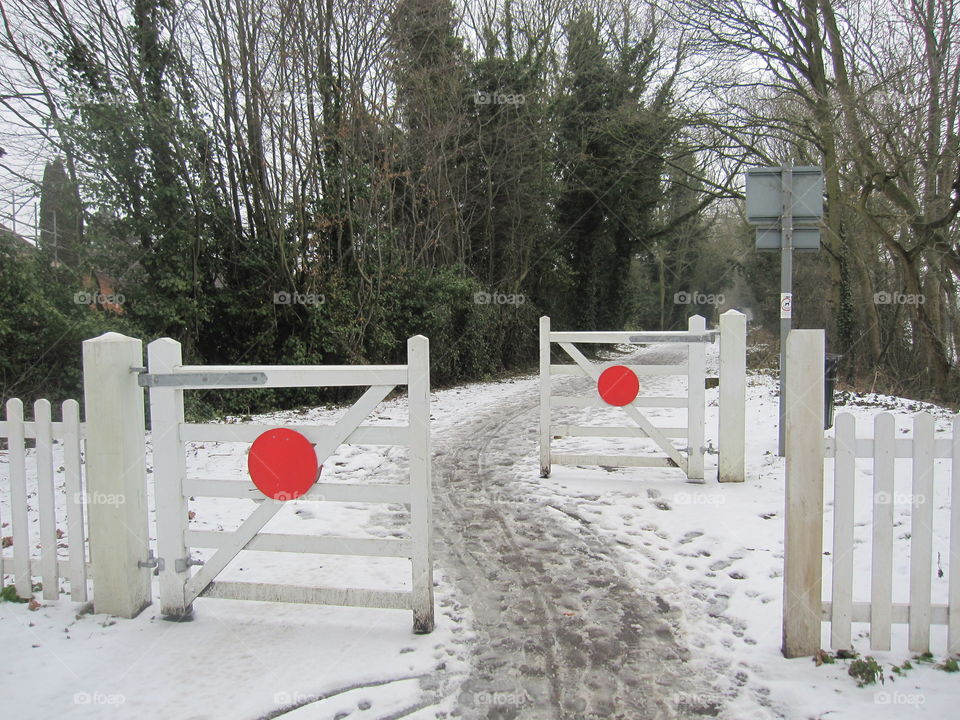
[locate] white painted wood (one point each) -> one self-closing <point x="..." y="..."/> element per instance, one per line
<point x="841" y="593"/>
<point x="169" y="473"/>
<point x="421" y="488"/>
<point x="617" y="338"/>
<point x="47" y="513"/>
<point x="545" y="396"/>
<point x="76" y="535"/>
<point x="640" y="370"/>
<point x="29" y="433"/>
<point x="900" y="612"/>
<point x="903" y="447"/>
<point x="346" y="597"/>
<point x="731" y="465"/>
<point x="328" y="442"/>
<point x="612" y="460"/>
<point x="299" y="375"/>
<point x="881" y="571"/>
<point x="921" y="533"/>
<point x="321" y="545"/>
<point x="18" y="499"/>
<point x="248" y="432"/>
<point x="610" y="431"/>
<point x="803" y="535"/>
<point x="115" y="468"/>
<point x="696" y="400"/>
<point x="596" y="402"/>
<point x="631" y="411"/>
<point x="953" y="598"/>
<point x="321" y="492"/>
<point x="232" y="544"/>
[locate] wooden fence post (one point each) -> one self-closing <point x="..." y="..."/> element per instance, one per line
<point x="803" y="533"/>
<point x="545" y="389"/>
<point x="421" y="491"/>
<point x="116" y="474"/>
<point x="733" y="396"/>
<point x="696" y="399"/>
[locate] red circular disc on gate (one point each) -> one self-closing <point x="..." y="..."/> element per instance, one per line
<point x="283" y="464"/>
<point x="618" y="385"/>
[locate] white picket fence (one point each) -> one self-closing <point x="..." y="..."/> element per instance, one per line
<point x="805" y="608"/>
<point x="33" y="524"/>
<point x="883" y="449"/>
<point x="690" y="459"/>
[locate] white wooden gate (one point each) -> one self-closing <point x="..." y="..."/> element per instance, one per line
<point x="167" y="378"/>
<point x="688" y="458"/>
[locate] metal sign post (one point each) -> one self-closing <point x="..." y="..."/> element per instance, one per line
<point x="786" y="294"/>
<point x="778" y="197"/>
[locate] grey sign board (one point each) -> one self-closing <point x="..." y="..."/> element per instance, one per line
<point x="765" y="195"/>
<point x="804" y="238"/>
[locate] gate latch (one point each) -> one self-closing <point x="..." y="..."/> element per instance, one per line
<point x="183" y="564"/>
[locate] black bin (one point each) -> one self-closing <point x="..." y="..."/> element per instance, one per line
<point x="831" y="366"/>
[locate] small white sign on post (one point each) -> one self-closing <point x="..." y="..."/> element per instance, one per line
<point x="786" y="306"/>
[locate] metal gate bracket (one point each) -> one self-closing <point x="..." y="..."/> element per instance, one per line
<point x="202" y="379"/>
<point x="183" y="564"/>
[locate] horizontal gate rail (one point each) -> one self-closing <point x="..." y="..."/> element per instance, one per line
<point x="345" y="597"/>
<point x="224" y="377"/>
<point x="248" y="432"/>
<point x="321" y="492"/>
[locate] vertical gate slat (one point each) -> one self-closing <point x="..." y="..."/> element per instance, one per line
<point x="953" y="602"/>
<point x="921" y="532"/>
<point x="844" y="482"/>
<point x="421" y="497"/>
<point x="75" y="505"/>
<point x="46" y="499"/>
<point x="881" y="572"/>
<point x="546" y="385"/>
<point x="18" y="498"/>
<point x="696" y="399"/>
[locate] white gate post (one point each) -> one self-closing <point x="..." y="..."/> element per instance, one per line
<point x="116" y="475"/>
<point x="169" y="469"/>
<point x="421" y="491"/>
<point x="803" y="536"/>
<point x="733" y="396"/>
<point x="696" y="399"/>
<point x="545" y="389"/>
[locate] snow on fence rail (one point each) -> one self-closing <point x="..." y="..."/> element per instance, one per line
<point x="18" y="559"/>
<point x="804" y="608"/>
<point x="168" y="378"/>
<point x="690" y="459"/>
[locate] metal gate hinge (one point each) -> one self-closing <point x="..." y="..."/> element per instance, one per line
<point x="183" y="564"/>
<point x="152" y="561"/>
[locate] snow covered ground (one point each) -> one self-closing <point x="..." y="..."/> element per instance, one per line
<point x="707" y="558"/>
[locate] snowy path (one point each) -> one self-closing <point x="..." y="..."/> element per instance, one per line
<point x="562" y="632"/>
